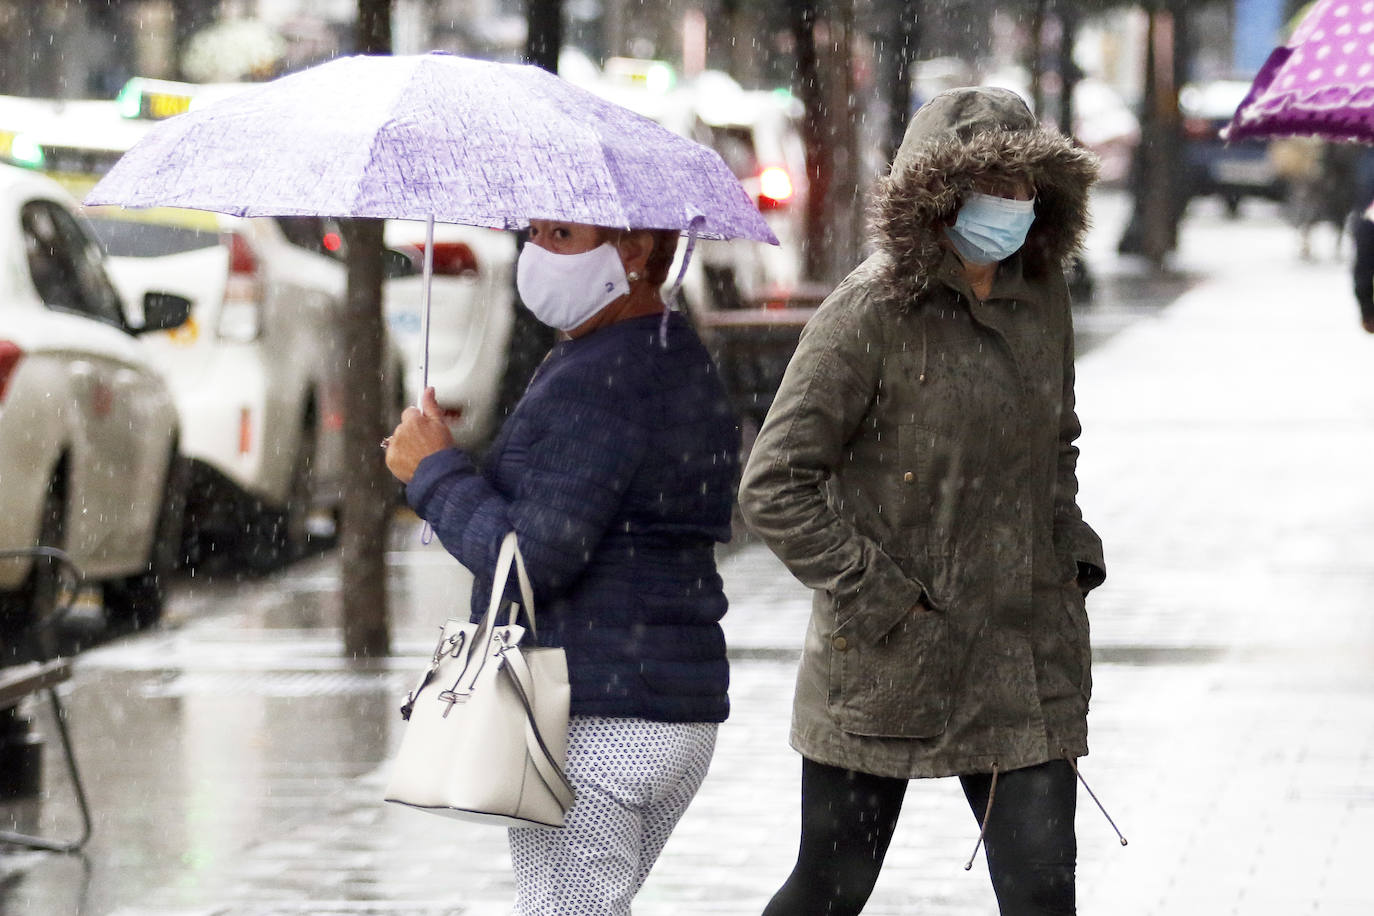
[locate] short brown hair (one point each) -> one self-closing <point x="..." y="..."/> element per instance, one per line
<point x="661" y="258"/>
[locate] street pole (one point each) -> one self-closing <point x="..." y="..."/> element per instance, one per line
<point x="368" y="487"/>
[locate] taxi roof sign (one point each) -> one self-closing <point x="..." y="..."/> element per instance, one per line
<point x="653" y="75"/>
<point x="147" y="99"/>
<point x="154" y="100"/>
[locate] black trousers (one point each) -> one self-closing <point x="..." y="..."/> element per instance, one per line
<point x="848" y="819"/>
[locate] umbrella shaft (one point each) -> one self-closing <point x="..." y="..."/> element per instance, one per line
<point x="424" y="310"/>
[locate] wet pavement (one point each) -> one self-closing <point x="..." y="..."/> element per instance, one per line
<point x="235" y="762"/>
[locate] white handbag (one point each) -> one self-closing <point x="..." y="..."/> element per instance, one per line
<point x="488" y="723"/>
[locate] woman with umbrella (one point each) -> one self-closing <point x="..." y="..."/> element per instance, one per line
<point x="917" y="470"/>
<point x="616" y="470"/>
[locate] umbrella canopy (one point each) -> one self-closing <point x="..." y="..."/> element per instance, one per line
<point x="432" y="136"/>
<point x="1321" y="83"/>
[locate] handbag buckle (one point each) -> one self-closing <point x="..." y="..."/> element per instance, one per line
<point x="449" y="645"/>
<point x="452" y="697"/>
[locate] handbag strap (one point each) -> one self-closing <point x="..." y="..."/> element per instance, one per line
<point x="510" y="552"/>
<point x="513" y="663"/>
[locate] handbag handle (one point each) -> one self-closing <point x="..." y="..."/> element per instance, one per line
<point x="517" y="670"/>
<point x="510" y="551"/>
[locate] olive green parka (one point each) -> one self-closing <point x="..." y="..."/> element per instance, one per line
<point x="917" y="471"/>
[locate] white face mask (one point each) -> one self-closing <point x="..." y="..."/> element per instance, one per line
<point x="564" y="290"/>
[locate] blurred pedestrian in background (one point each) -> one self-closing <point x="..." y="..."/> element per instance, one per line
<point x="1323" y="185"/>
<point x="1363" y="271"/>
<point x="617" y="471"/>
<point x="917" y="470"/>
<point x="1362" y="232"/>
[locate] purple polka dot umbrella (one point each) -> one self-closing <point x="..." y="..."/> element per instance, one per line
<point x="1320" y="84"/>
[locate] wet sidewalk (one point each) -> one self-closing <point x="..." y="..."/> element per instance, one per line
<point x="235" y="762"/>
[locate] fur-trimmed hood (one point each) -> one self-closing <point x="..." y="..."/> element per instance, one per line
<point x="956" y="138"/>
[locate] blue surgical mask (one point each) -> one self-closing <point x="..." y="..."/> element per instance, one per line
<point x="989" y="228"/>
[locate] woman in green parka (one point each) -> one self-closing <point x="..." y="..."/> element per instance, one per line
<point x="917" y="471"/>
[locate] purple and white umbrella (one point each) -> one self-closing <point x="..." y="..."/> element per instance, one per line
<point x="433" y="137"/>
<point x="1319" y="84"/>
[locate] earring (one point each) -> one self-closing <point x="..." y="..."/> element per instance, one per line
<point x="633" y="275"/>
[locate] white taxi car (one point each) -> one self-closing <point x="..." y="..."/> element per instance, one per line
<point x="258" y="372"/>
<point x="89" y="434"/>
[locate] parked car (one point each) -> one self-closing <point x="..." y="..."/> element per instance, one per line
<point x="747" y="299"/>
<point x="1233" y="171"/>
<point x="1102" y="120"/>
<point x="472" y="293"/>
<point x="257" y="373"/>
<point x="89" y="433"/>
<point x="756" y="133"/>
<point x="259" y="370"/>
<point x="471" y="316"/>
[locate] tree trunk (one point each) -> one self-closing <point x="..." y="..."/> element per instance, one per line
<point x="1069" y="74"/>
<point x="1156" y="179"/>
<point x="531" y="339"/>
<point x="544" y="37"/>
<point x="898" y="53"/>
<point x="368" y="488"/>
<point x="844" y="203"/>
<point x="820" y="162"/>
<point x="1036" y="64"/>
<point x="1161" y="213"/>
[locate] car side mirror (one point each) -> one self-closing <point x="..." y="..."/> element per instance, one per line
<point x="397" y="264"/>
<point x="164" y="312"/>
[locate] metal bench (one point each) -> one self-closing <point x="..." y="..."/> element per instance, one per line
<point x="20" y="681"/>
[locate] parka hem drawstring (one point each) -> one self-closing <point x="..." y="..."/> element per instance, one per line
<point x="1074" y="765"/>
<point x="925" y="352"/>
<point x="987" y="814"/>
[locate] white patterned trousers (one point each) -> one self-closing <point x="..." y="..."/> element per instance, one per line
<point x="634" y="779"/>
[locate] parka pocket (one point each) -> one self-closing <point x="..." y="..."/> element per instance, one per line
<point x="897" y="686"/>
<point x="1080" y="648"/>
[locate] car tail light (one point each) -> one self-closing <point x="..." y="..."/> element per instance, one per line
<point x="453" y="259"/>
<point x="245" y="431"/>
<point x="10" y="354"/>
<point x="240" y="317"/>
<point x="775" y="188"/>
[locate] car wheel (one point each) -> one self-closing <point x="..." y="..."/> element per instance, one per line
<point x="277" y="535"/>
<point x="139" y="599"/>
<point x="44" y="590"/>
<point x="300" y="499"/>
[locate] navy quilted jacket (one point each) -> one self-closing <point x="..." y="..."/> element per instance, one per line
<point x="617" y="472"/>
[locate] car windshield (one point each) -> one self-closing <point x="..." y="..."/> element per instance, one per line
<point x="735" y="144"/>
<point x="142" y="239"/>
